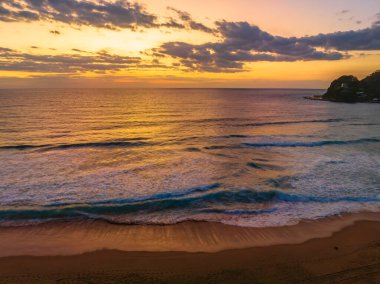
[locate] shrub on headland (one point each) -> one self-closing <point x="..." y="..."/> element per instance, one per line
<point x="350" y="89"/>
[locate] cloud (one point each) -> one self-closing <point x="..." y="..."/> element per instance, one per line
<point x="377" y="21"/>
<point x="114" y="15"/>
<point x="5" y="50"/>
<point x="55" y="32"/>
<point x="365" y="39"/>
<point x="242" y="43"/>
<point x="187" y="22"/>
<point x="101" y="14"/>
<point x="342" y="12"/>
<point x="102" y="61"/>
<point x="239" y="42"/>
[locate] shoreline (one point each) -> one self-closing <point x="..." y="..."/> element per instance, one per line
<point x="349" y="255"/>
<point x="78" y="237"/>
<point x="320" y="98"/>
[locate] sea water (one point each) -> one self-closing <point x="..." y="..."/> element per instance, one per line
<point x="247" y="157"/>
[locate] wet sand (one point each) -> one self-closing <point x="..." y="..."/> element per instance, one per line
<point x="336" y="250"/>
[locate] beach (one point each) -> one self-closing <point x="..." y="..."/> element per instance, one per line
<point x="187" y="186"/>
<point x="189" y="141"/>
<point x="343" y="250"/>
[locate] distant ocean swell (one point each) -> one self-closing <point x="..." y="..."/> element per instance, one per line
<point x="290" y="144"/>
<point x="139" y="143"/>
<point x="313" y="144"/>
<point x="47" y="147"/>
<point x="234" y="122"/>
<point x="196" y="200"/>
<point x="290" y="122"/>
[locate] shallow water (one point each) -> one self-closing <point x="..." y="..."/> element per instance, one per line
<point x="244" y="157"/>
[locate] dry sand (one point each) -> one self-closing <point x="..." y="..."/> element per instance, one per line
<point x="343" y="250"/>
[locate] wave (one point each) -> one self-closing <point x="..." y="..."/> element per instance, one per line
<point x="106" y="144"/>
<point x="237" y="122"/>
<point x="192" y="149"/>
<point x="99" y="145"/>
<point x="218" y="147"/>
<point x="364" y="124"/>
<point x="239" y="211"/>
<point x="23" y="147"/>
<point x="236" y="136"/>
<point x="262" y="166"/>
<point x="158" y="196"/>
<point x="184" y="201"/>
<point x="311" y="144"/>
<point x="289" y="122"/>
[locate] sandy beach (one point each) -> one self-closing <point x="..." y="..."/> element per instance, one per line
<point x="336" y="250"/>
<point x="179" y="142"/>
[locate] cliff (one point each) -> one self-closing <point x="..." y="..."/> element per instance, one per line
<point x="350" y="89"/>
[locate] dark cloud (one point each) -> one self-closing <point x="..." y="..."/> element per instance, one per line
<point x="377" y="21"/>
<point x="240" y="42"/>
<point x="83" y="51"/>
<point x="12" y="60"/>
<point x="5" y="50"/>
<point x="187" y="22"/>
<point x="55" y="32"/>
<point x="243" y="43"/>
<point x="7" y="15"/>
<point x="120" y="14"/>
<point x="342" y="12"/>
<point x="103" y="14"/>
<point x="365" y="39"/>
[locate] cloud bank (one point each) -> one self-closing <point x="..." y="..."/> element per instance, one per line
<point x="242" y="42"/>
<point x="13" y="60"/>
<point x="100" y="14"/>
<point x="107" y="14"/>
<point x="185" y="21"/>
<point x="238" y="43"/>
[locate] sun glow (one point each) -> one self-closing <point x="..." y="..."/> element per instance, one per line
<point x="190" y="34"/>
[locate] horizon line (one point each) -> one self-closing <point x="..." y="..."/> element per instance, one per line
<point x="162" y="88"/>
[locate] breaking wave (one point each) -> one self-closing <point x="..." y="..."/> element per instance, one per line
<point x="196" y="200"/>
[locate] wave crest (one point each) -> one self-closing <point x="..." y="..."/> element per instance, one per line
<point x="197" y="200"/>
<point x="106" y="144"/>
<point x="310" y="144"/>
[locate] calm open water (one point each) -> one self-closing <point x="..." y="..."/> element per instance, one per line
<point x="239" y="156"/>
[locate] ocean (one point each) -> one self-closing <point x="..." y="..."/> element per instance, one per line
<point x="245" y="157"/>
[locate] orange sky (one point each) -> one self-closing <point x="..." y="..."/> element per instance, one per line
<point x="86" y="53"/>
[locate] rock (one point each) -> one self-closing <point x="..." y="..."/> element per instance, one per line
<point x="349" y="89"/>
<point x="371" y="86"/>
<point x="343" y="89"/>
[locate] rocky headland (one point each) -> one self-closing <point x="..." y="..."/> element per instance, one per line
<point x="350" y="89"/>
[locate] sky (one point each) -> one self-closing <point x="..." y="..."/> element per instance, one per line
<point x="186" y="43"/>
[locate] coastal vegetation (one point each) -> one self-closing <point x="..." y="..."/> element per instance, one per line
<point x="350" y="89"/>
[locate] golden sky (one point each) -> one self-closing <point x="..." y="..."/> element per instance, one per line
<point x="186" y="43"/>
